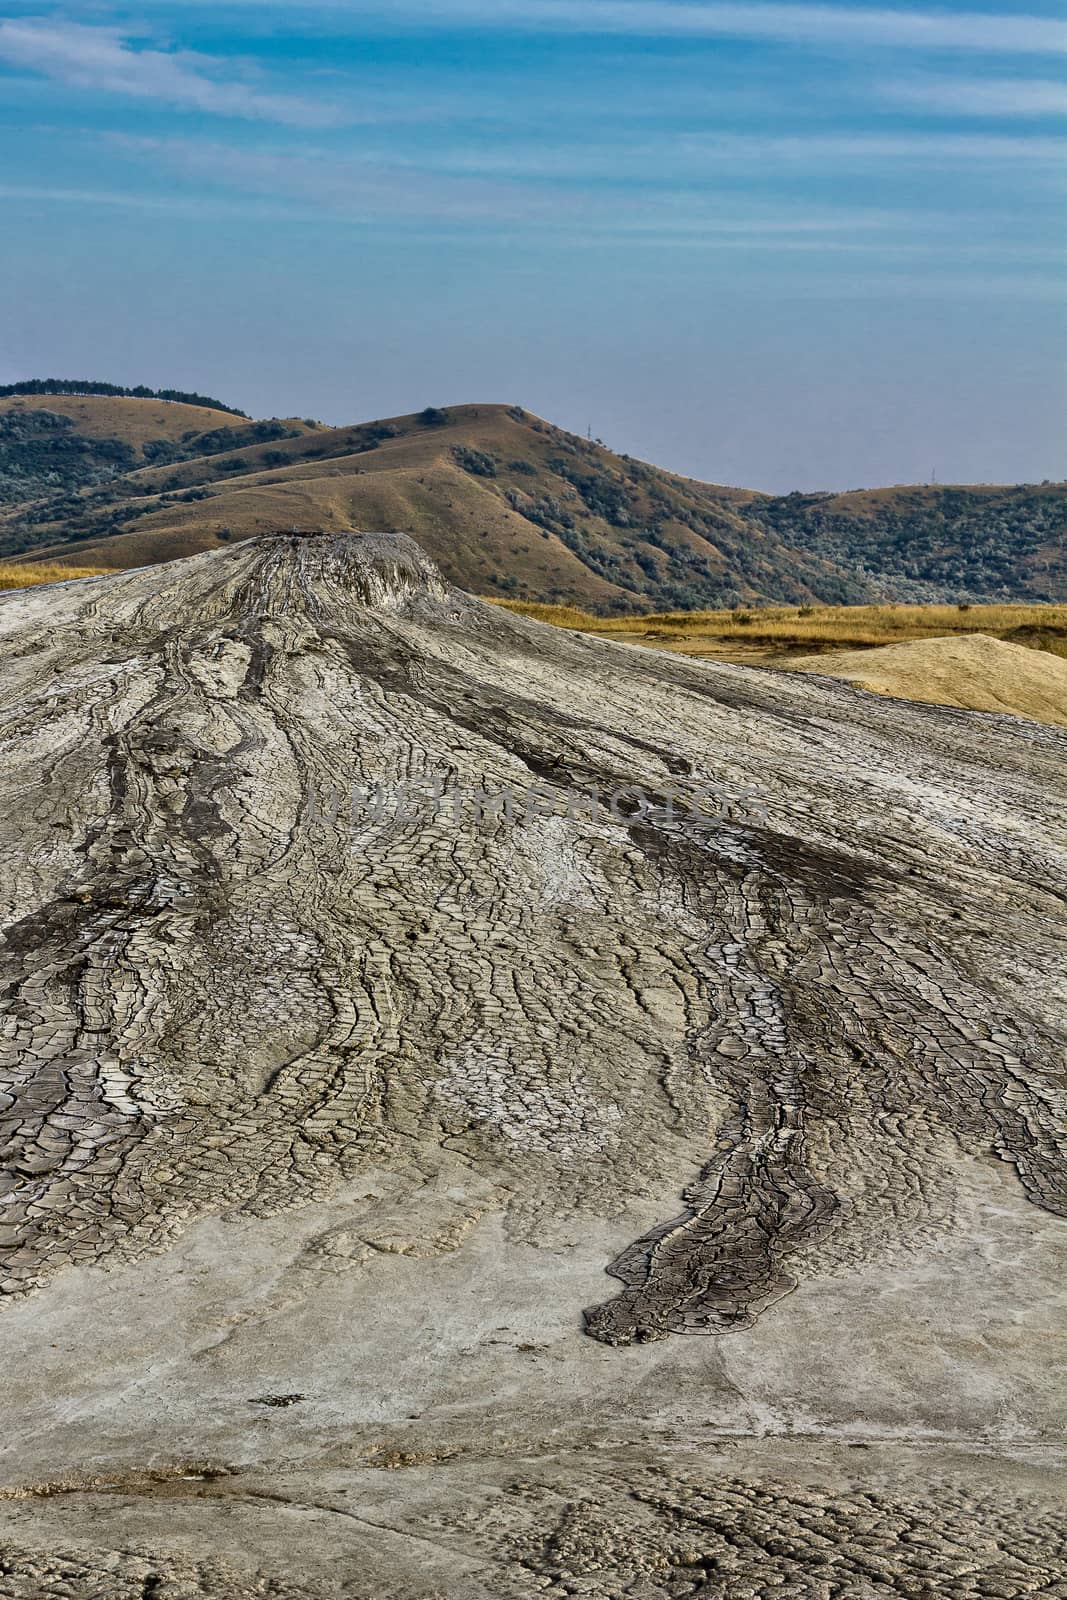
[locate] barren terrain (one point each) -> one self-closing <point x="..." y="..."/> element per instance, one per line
<point x="424" y="1181"/>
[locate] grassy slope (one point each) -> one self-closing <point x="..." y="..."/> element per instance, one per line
<point x="527" y="529"/>
<point x="135" y="421"/>
<point x="558" y="518"/>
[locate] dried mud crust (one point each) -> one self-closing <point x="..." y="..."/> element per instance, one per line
<point x="667" y="1536"/>
<point x="651" y="1533"/>
<point x="219" y="996"/>
<point x="132" y="1575"/>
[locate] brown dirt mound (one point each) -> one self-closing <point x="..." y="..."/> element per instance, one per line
<point x="975" y="672"/>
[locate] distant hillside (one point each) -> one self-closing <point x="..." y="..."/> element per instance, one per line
<point x="983" y="540"/>
<point x="80" y="386"/>
<point x="51" y="446"/>
<point x="507" y="504"/>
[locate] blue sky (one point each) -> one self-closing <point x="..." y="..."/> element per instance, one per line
<point x="782" y="244"/>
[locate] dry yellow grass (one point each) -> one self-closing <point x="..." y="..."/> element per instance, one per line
<point x="779" y="630"/>
<point x="115" y="416"/>
<point x="566" y="616"/>
<point x="25" y="575"/>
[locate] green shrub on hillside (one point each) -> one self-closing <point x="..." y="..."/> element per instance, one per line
<point x="479" y="462"/>
<point x="40" y="454"/>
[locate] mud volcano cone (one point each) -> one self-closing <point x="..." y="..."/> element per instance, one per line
<point x="327" y="887"/>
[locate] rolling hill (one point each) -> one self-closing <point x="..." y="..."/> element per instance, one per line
<point x="53" y="446"/>
<point x="981" y="541"/>
<point x="507" y="504"/>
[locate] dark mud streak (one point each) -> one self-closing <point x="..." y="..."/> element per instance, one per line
<point x="716" y="1267"/>
<point x="507" y="720"/>
<point x="723" y="1261"/>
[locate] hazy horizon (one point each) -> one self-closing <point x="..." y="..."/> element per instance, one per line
<point x="780" y="245"/>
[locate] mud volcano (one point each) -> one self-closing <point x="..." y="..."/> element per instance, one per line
<point x="379" y="971"/>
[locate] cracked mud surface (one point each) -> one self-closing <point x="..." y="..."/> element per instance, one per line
<point x="685" y="1536"/>
<point x="321" y="1127"/>
<point x="660" y="1535"/>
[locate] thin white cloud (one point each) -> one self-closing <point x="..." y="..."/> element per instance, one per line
<point x="831" y="25"/>
<point x="370" y="187"/>
<point x="849" y="150"/>
<point x="801" y="24"/>
<point x="192" y="206"/>
<point x="982" y="97"/>
<point x="694" y="157"/>
<point x="102" y="60"/>
<point x="359" y="187"/>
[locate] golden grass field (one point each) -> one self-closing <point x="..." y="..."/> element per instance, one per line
<point x="774" y="632"/>
<point x="21" y="575"/>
